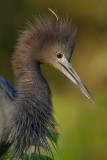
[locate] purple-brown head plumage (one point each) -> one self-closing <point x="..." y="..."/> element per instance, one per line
<point x="45" y="37"/>
<point x="49" y="41"/>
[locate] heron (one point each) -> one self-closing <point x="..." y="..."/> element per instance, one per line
<point x="26" y="109"/>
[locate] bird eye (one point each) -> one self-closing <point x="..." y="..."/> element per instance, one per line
<point x="59" y="55"/>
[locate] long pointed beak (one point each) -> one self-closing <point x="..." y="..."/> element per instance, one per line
<point x="69" y="71"/>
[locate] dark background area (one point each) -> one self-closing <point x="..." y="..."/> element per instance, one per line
<point x="83" y="124"/>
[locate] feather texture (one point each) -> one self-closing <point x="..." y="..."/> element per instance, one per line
<point x="30" y="111"/>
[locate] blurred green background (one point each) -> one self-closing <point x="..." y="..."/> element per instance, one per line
<point x="83" y="125"/>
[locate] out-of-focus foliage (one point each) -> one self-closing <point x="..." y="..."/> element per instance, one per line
<point x="83" y="124"/>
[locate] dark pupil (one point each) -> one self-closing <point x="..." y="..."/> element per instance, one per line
<point x="59" y="55"/>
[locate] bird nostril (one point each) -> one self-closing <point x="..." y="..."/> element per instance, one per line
<point x="59" y="55"/>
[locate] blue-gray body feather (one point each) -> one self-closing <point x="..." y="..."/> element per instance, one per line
<point x="26" y="118"/>
<point x="7" y="96"/>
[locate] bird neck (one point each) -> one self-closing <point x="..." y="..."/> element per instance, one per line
<point x="33" y="116"/>
<point x="28" y="74"/>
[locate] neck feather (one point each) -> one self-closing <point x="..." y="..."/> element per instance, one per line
<point x="28" y="74"/>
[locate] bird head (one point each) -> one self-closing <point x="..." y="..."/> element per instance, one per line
<point x="53" y="42"/>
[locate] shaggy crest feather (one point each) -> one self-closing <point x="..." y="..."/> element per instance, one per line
<point x="45" y="29"/>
